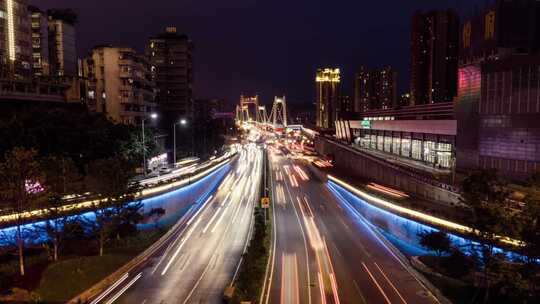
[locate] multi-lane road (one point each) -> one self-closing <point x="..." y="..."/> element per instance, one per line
<point x="201" y="255"/>
<point x="321" y="254"/>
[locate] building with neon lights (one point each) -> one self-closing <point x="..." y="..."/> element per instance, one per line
<point x="327" y="81"/>
<point x="15" y="40"/>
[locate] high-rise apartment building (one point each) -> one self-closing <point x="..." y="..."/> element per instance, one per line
<point x="434" y="56"/>
<point x="375" y="89"/>
<point x="15" y="41"/>
<point x="327" y="81"/>
<point x="120" y="84"/>
<point x="40" y="41"/>
<point x="170" y="55"/>
<point x="62" y="43"/>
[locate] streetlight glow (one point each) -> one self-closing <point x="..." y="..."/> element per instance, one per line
<point x="183" y="121"/>
<point x="153" y="115"/>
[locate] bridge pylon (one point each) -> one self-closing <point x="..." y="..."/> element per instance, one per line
<point x="279" y="111"/>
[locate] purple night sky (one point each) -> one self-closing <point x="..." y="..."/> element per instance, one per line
<point x="266" y="47"/>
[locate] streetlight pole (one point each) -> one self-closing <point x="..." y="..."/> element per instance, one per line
<point x="143" y="147"/>
<point x="182" y="122"/>
<point x="174" y="144"/>
<point x="153" y="116"/>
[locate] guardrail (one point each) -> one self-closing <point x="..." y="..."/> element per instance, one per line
<point x="110" y="280"/>
<point x="93" y="201"/>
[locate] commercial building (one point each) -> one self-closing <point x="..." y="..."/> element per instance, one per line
<point x="327" y="81"/>
<point x="375" y="89"/>
<point x="434" y="56"/>
<point x="40" y="41"/>
<point x="498" y="105"/>
<point x="170" y="55"/>
<point x="120" y="84"/>
<point x="62" y="43"/>
<point x="15" y="41"/>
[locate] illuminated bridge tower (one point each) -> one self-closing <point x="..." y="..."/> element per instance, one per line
<point x="262" y="117"/>
<point x="243" y="113"/>
<point x="279" y="112"/>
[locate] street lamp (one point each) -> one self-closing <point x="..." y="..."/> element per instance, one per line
<point x="182" y="122"/>
<point x="153" y="116"/>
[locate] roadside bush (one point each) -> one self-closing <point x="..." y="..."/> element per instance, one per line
<point x="457" y="264"/>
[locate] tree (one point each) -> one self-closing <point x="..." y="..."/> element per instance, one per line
<point x="156" y="214"/>
<point x="437" y="241"/>
<point x="117" y="213"/>
<point x="530" y="235"/>
<point x="61" y="178"/>
<point x="486" y="196"/>
<point x="20" y="174"/>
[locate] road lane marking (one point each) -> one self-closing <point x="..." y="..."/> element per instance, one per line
<point x="380" y="240"/>
<point x="180" y="247"/>
<point x="305" y="241"/>
<point x="116" y="296"/>
<point x="111" y="288"/>
<point x="376" y="283"/>
<point x="388" y="280"/>
<point x="211" y="220"/>
<point x="359" y="292"/>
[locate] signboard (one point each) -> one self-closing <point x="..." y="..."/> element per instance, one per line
<point x="366" y="124"/>
<point x="265" y="202"/>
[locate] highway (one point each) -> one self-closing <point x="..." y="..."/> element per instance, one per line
<point x="201" y="254"/>
<point x="322" y="254"/>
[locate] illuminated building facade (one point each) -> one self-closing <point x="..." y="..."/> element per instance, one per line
<point x="15" y="42"/>
<point x="434" y="56"/>
<point x="327" y="81"/>
<point x="171" y="61"/>
<point x="375" y="89"/>
<point x="120" y="84"/>
<point x="498" y="104"/>
<point x="40" y="41"/>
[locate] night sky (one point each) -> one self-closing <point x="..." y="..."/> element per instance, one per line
<point x="267" y="47"/>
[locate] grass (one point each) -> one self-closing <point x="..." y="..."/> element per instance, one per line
<point x="63" y="280"/>
<point x="251" y="276"/>
<point x="453" y="291"/>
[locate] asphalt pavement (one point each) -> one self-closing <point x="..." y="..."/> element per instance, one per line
<point x="201" y="256"/>
<point x="322" y="253"/>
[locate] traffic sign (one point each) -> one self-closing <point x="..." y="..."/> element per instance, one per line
<point x="265" y="202"/>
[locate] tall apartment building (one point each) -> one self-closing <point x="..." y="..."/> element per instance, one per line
<point x="327" y="81"/>
<point x="40" y="41"/>
<point x="15" y="41"/>
<point x="170" y="55"/>
<point x="62" y="42"/>
<point x="498" y="103"/>
<point x="375" y="89"/>
<point x="434" y="56"/>
<point x="120" y="84"/>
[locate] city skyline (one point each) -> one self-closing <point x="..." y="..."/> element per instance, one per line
<point x="288" y="66"/>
